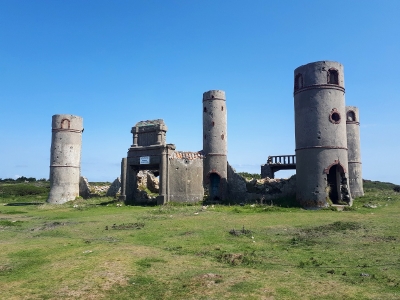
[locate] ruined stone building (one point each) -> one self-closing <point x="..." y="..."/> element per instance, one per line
<point x="327" y="137"/>
<point x="327" y="160"/>
<point x="181" y="174"/>
<point x="327" y="156"/>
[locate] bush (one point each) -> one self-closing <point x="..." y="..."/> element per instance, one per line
<point x="22" y="190"/>
<point x="249" y="175"/>
<point x="368" y="184"/>
<point x="397" y="188"/>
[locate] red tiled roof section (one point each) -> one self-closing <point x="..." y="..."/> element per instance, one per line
<point x="187" y="155"/>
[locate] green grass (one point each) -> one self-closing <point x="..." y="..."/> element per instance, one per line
<point x="83" y="249"/>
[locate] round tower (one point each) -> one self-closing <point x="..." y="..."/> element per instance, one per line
<point x="65" y="158"/>
<point x="354" y="153"/>
<point x="320" y="131"/>
<point x="215" y="144"/>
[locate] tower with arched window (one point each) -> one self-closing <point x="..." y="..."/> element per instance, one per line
<point x="65" y="158"/>
<point x="215" y="144"/>
<point x="320" y="133"/>
<point x="354" y="153"/>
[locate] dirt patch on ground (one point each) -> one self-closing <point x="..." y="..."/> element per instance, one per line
<point x="97" y="283"/>
<point x="5" y="268"/>
<point x="209" y="279"/>
<point x="126" y="226"/>
<point x="50" y="226"/>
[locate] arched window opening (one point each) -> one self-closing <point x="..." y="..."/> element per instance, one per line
<point x="65" y="124"/>
<point x="222" y="108"/>
<point x="205" y="109"/>
<point x="298" y="82"/>
<point x="351" y="116"/>
<point x="333" y="76"/>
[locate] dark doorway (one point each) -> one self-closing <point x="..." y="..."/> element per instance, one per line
<point x="333" y="184"/>
<point x="215" y="180"/>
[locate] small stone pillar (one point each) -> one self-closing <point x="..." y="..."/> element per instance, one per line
<point x="123" y="179"/>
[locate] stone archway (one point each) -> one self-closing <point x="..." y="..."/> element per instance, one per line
<point x="214" y="186"/>
<point x="337" y="183"/>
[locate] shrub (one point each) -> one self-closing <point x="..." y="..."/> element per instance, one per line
<point x="22" y="190"/>
<point x="249" y="175"/>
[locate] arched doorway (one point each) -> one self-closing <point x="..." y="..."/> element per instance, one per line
<point x="215" y="180"/>
<point x="334" y="178"/>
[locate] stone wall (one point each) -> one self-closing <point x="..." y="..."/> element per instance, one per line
<point x="264" y="190"/>
<point x="185" y="172"/>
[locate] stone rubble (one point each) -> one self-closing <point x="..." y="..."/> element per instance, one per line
<point x="114" y="189"/>
<point x="84" y="187"/>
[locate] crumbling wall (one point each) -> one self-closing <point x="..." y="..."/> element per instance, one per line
<point x="268" y="189"/>
<point x="115" y="188"/>
<point x="84" y="187"/>
<point x="260" y="190"/>
<point x="237" y="190"/>
<point x="185" y="172"/>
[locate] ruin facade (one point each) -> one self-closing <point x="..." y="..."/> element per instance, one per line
<point x="65" y="158"/>
<point x="327" y="159"/>
<point x="183" y="175"/>
<point x="180" y="173"/>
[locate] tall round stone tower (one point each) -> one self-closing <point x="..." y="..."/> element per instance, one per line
<point x="65" y="158"/>
<point x="215" y="144"/>
<point x="320" y="131"/>
<point x="354" y="153"/>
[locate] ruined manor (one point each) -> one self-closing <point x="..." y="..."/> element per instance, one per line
<point x="327" y="157"/>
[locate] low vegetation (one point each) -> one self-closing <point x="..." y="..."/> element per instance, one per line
<point x="249" y="176"/>
<point x="102" y="249"/>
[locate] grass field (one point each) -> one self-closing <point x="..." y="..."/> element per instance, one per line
<point x="93" y="250"/>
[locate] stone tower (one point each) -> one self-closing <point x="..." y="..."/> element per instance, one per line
<point x="215" y="144"/>
<point x="320" y="131"/>
<point x="354" y="154"/>
<point x="65" y="158"/>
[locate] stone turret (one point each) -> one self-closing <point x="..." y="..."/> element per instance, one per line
<point x="354" y="153"/>
<point x="65" y="158"/>
<point x="320" y="131"/>
<point x="215" y="144"/>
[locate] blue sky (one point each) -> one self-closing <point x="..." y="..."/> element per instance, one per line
<point x="115" y="63"/>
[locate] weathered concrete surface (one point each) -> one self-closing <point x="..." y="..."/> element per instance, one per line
<point x="186" y="177"/>
<point x="320" y="131"/>
<point x="65" y="158"/>
<point x="84" y="187"/>
<point x="354" y="152"/>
